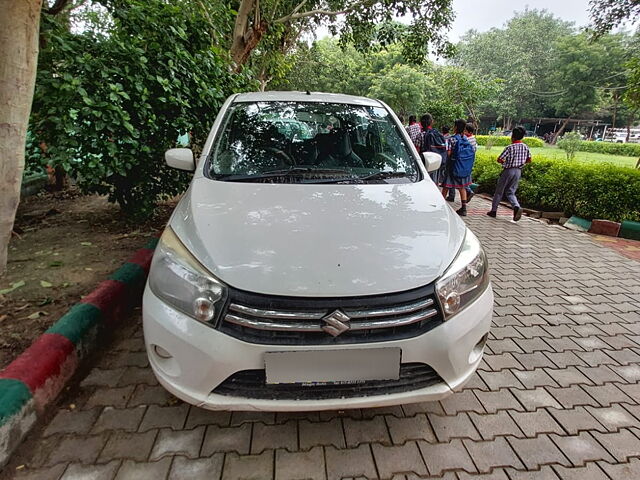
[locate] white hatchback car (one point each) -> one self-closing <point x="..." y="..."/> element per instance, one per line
<point x="312" y="264"/>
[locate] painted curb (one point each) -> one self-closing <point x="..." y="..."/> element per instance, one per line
<point x="578" y="224"/>
<point x="36" y="377"/>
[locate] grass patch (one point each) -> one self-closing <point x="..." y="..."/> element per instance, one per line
<point x="554" y="153"/>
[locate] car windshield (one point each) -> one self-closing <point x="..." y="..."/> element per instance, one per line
<point x="310" y="142"/>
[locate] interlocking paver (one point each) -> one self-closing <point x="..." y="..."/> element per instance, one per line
<point x="607" y="394"/>
<point x="545" y="473"/>
<point x="575" y="419"/>
<point x="447" y="428"/>
<point x="537" y="451"/>
<point x="148" y="395"/>
<point x="134" y="446"/>
<point x="170" y="443"/>
<point x="351" y="462"/>
<point x="491" y="454"/>
<point x="581" y="448"/>
<point x="161" y="417"/>
<point x="200" y="416"/>
<point x="398" y="459"/>
<point x="321" y="433"/>
<point x="144" y="471"/>
<point x="48" y="473"/>
<point x="411" y="428"/>
<point x="297" y="465"/>
<point x="613" y="417"/>
<point x="77" y="448"/>
<point x="565" y="377"/>
<point x="446" y="456"/>
<point x="501" y="400"/>
<point x="464" y="401"/>
<point x="274" y="436"/>
<point x="572" y="396"/>
<point x="126" y="419"/>
<point x="590" y="471"/>
<point x="197" y="469"/>
<point x="534" y="423"/>
<point x="107" y="396"/>
<point x="536" y="398"/>
<point x="365" y="431"/>
<point x="248" y="467"/>
<point x="77" y="471"/>
<point x="495" y="424"/>
<point x="72" y="421"/>
<point x="232" y="439"/>
<point x="622" y="444"/>
<point x="622" y="471"/>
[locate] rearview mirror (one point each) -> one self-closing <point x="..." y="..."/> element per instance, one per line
<point x="432" y="161"/>
<point x="180" y="158"/>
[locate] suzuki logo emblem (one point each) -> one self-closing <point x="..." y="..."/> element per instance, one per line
<point x="337" y="322"/>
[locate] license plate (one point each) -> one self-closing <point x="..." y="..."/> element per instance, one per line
<point x="333" y="366"/>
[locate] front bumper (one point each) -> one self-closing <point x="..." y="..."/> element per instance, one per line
<point x="202" y="358"/>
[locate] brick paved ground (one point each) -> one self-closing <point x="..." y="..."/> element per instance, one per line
<point x="557" y="396"/>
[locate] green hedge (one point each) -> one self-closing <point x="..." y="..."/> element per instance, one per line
<point x="504" y="141"/>
<point x="625" y="149"/>
<point x="599" y="190"/>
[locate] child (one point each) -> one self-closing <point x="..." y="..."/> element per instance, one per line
<point x="469" y="131"/>
<point x="461" y="158"/>
<point x="512" y="159"/>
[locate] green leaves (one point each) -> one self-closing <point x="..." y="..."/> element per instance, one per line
<point x="108" y="106"/>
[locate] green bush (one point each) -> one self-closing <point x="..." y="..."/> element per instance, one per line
<point x="501" y="141"/>
<point x="624" y="149"/>
<point x="570" y="143"/>
<point x="598" y="190"/>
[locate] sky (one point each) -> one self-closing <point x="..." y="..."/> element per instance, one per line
<point x="483" y="15"/>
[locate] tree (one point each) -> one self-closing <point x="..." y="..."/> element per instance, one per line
<point x="108" y="106"/>
<point x="519" y="57"/>
<point x="402" y="87"/>
<point x="19" y="27"/>
<point x="608" y="14"/>
<point x="581" y="68"/>
<point x="354" y="20"/>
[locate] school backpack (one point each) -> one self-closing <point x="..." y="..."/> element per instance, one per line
<point x="434" y="141"/>
<point x="463" y="157"/>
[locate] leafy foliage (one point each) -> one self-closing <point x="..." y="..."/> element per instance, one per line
<point x="502" y="141"/>
<point x="570" y="143"/>
<point x="608" y="14"/>
<point x="626" y="149"/>
<point x="108" y="107"/>
<point x="401" y="87"/>
<point x="516" y="59"/>
<point x="601" y="191"/>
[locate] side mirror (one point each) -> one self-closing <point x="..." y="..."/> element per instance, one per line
<point x="180" y="158"/>
<point x="432" y="161"/>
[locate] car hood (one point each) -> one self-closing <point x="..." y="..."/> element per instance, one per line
<point x="319" y="240"/>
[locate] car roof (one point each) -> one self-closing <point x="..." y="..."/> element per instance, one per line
<point x="305" y="97"/>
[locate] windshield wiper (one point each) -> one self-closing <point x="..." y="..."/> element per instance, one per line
<point x="288" y="171"/>
<point x="383" y="175"/>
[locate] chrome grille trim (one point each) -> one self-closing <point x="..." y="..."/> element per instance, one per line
<point x="277" y="314"/>
<point x="264" y="322"/>
<point x="385" y="312"/>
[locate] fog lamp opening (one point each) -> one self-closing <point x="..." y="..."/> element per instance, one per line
<point x="477" y="350"/>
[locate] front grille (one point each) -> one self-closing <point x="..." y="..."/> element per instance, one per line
<point x="323" y="321"/>
<point x="252" y="384"/>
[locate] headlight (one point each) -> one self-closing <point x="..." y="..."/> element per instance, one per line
<point x="465" y="279"/>
<point x="178" y="278"/>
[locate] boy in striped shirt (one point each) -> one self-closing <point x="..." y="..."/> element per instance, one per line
<point x="512" y="158"/>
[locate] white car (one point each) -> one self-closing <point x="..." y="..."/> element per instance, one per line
<point x="316" y="271"/>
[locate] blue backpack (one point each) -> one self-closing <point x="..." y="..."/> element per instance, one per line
<point x="463" y="157"/>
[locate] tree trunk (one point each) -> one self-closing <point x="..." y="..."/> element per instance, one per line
<point x="246" y="36"/>
<point x="19" y="27"/>
<point x="615" y="110"/>
<point x="554" y="139"/>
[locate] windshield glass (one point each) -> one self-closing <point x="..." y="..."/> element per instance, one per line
<point x="311" y="142"/>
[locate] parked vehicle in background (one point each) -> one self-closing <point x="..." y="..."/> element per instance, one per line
<point x="619" y="135"/>
<point x="313" y="267"/>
